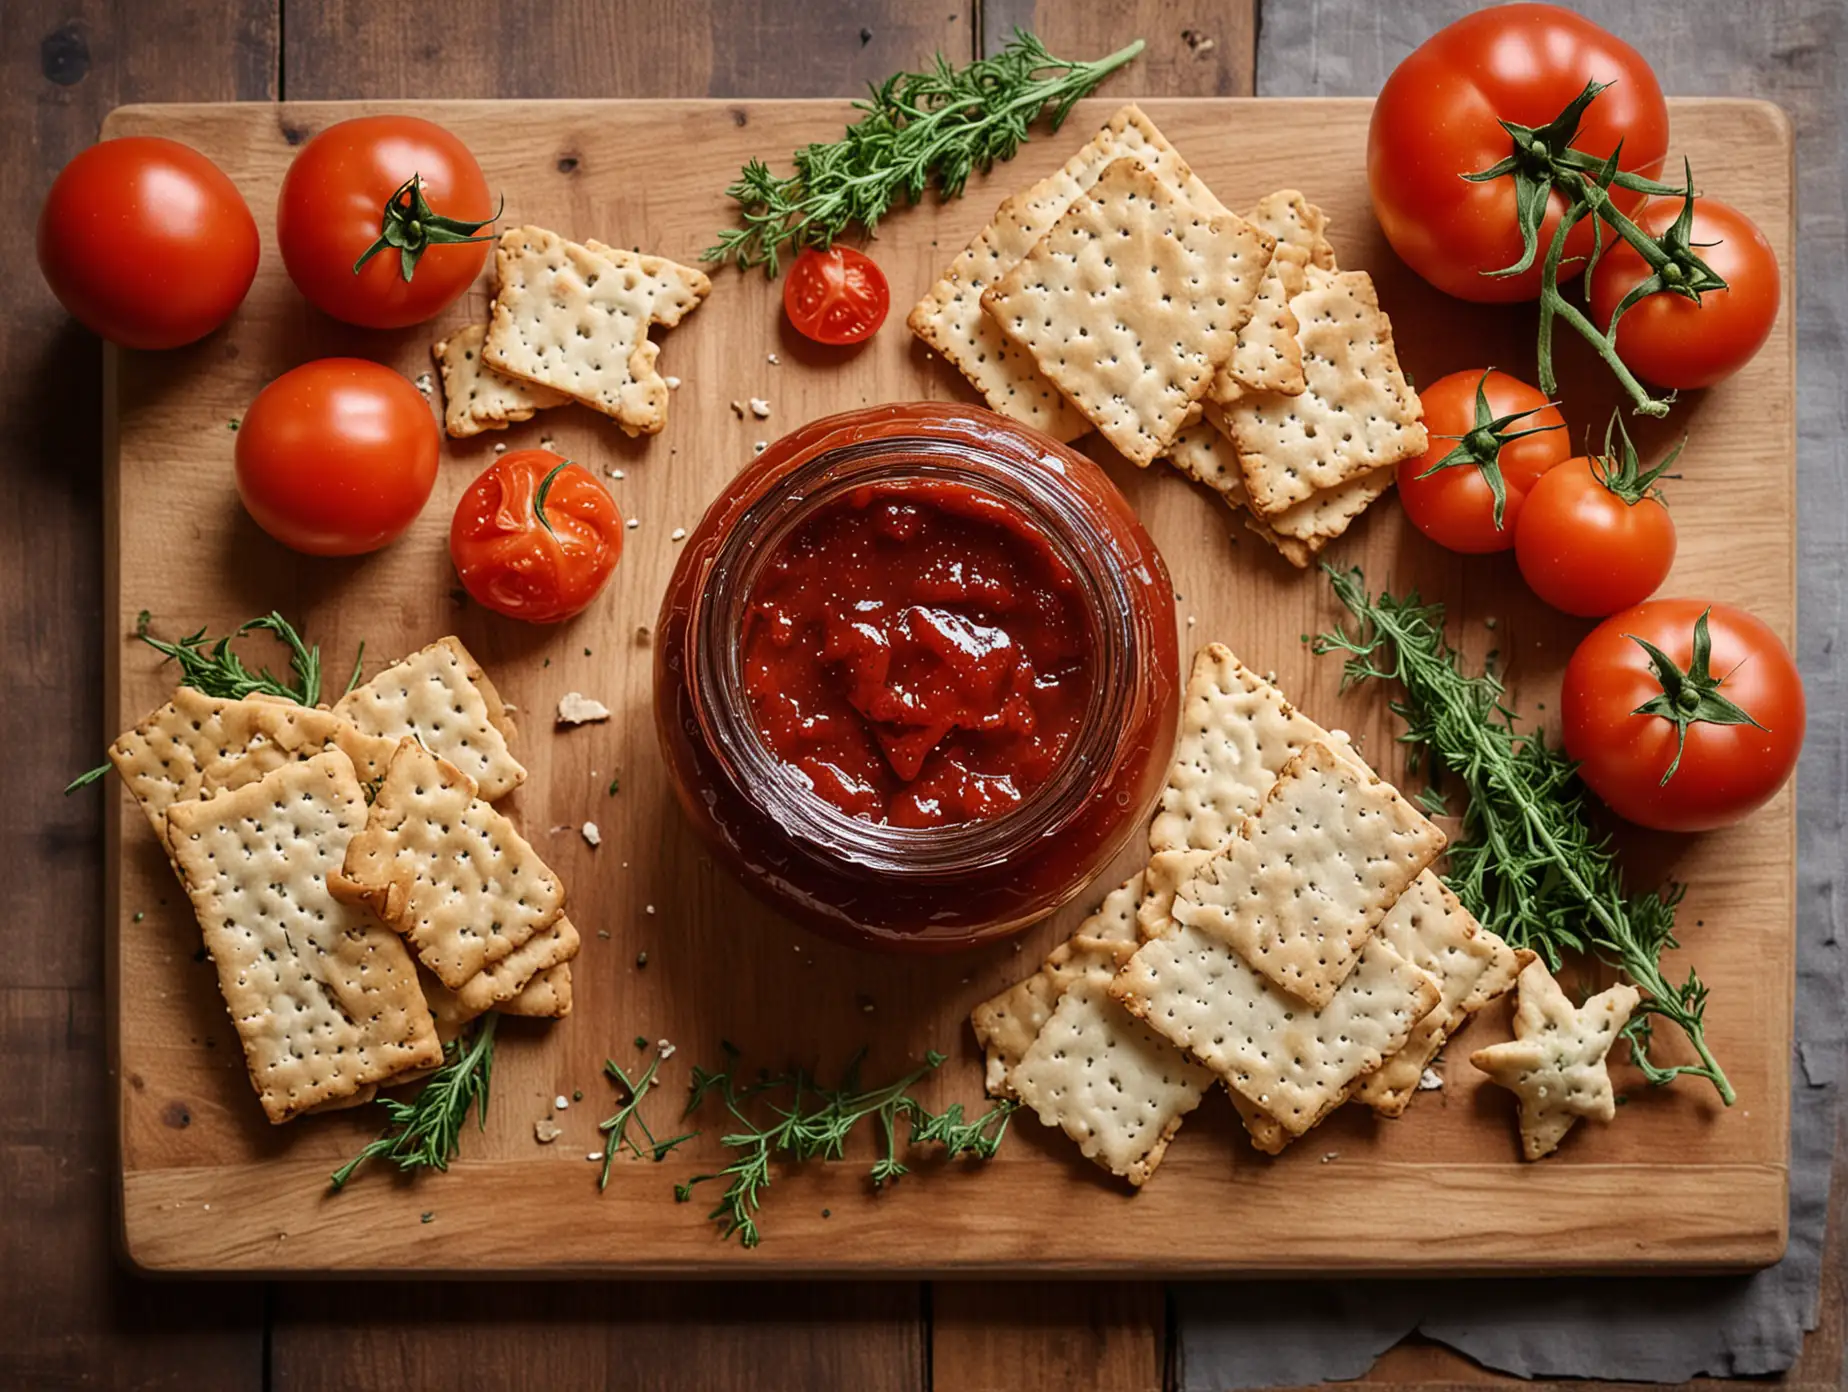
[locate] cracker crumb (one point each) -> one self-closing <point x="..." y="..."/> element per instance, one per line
<point x="545" y="1131"/>
<point x="673" y="383"/>
<point x="665" y="1049"/>
<point x="1200" y="44"/>
<point x="546" y="442"/>
<point x="1430" y="1080"/>
<point x="760" y="408"/>
<point x="500" y="446"/>
<point x="616" y="473"/>
<point x="603" y="932"/>
<point x="633" y="523"/>
<point x="641" y="959"/>
<point x="773" y="359"/>
<point x="425" y="385"/>
<point x="1329" y="1155"/>
<point x="678" y="534"/>
<point x="560" y="1102"/>
<point x="591" y="833"/>
<point x="651" y="908"/>
<point x="575" y="708"/>
<point x="594" y="1156"/>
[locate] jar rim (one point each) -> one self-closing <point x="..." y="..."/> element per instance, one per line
<point x="1033" y="482"/>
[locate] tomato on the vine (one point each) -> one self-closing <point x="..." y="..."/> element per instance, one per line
<point x="1492" y="439"/>
<point x="535" y="537"/>
<point x="1673" y="341"/>
<point x="838" y="296"/>
<point x="1683" y="715"/>
<point x="147" y="242"/>
<point x="380" y="220"/>
<point x="337" y="457"/>
<point x="1595" y="536"/>
<point x="1437" y="120"/>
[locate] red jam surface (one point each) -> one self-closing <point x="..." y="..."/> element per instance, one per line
<point x="916" y="653"/>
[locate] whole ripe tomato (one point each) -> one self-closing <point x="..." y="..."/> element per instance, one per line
<point x="838" y="296"/>
<point x="1436" y="120"/>
<point x="1721" y="677"/>
<point x="1484" y="426"/>
<point x="535" y="537"/>
<point x="1670" y="340"/>
<point x="350" y="192"/>
<point x="1594" y="535"/>
<point x="337" y="457"/>
<point x="147" y="242"/>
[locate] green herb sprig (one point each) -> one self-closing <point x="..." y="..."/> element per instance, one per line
<point x="940" y="125"/>
<point x="814" y="1122"/>
<point x="426" y="1132"/>
<point x="616" y="1137"/>
<point x="1529" y="862"/>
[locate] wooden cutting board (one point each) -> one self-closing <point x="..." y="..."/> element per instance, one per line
<point x="1677" y="1181"/>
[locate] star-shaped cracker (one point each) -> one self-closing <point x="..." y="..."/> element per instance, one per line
<point x="1556" y="1061"/>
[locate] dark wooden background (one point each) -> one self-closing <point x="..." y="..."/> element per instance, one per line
<point x="68" y="1316"/>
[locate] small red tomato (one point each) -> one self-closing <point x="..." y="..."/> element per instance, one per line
<point x="147" y="242"/>
<point x="1491" y="434"/>
<point x="535" y="537"/>
<point x="1594" y="535"/>
<point x="1683" y="715"/>
<point x="398" y="193"/>
<point x="837" y="296"/>
<point x="337" y="457"/>
<point x="1670" y="340"/>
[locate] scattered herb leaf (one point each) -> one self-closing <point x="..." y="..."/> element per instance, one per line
<point x="426" y="1132"/>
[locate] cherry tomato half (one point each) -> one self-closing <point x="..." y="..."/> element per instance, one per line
<point x="1673" y="341"/>
<point x="347" y="184"/>
<point x="535" y="537"/>
<point x="1634" y="759"/>
<point x="147" y="242"/>
<point x="1437" y="119"/>
<point x="1455" y="506"/>
<point x="1585" y="548"/>
<point x="837" y="296"/>
<point x="337" y="457"/>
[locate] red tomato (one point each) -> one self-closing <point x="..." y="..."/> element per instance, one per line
<point x="1455" y="506"/>
<point x="1673" y="341"/>
<point x="535" y="537"/>
<point x="1587" y="549"/>
<point x="147" y="242"/>
<point x="1436" y="120"/>
<point x="836" y="296"/>
<point x="337" y="457"/>
<point x="1627" y="752"/>
<point x="348" y="185"/>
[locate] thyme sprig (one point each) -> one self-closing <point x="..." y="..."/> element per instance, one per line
<point x="426" y="1132"/>
<point x="1529" y="861"/>
<point x="940" y="125"/>
<point x="616" y="1137"/>
<point x="815" y="1123"/>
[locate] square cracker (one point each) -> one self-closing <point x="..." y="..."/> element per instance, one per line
<point x="440" y="697"/>
<point x="1293" y="1063"/>
<point x="323" y="996"/>
<point x="1006" y="1025"/>
<point x="198" y="744"/>
<point x="1356" y="416"/>
<point x="498" y="985"/>
<point x="1433" y="931"/>
<point x="569" y="319"/>
<point x="546" y="996"/>
<point x="1108" y="1081"/>
<point x="1299" y="891"/>
<point x="1295" y="222"/>
<point x="446" y="870"/>
<point x="1268" y="356"/>
<point x="1131" y="302"/>
<point x="477" y="398"/>
<point x="950" y="319"/>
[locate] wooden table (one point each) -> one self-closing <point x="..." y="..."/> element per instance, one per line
<point x="68" y="1316"/>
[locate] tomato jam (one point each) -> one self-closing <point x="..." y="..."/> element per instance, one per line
<point x="916" y="652"/>
<point x="915" y="675"/>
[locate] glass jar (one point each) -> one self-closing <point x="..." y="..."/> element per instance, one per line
<point x="929" y="888"/>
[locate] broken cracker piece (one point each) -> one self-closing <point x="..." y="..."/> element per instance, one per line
<point x="1268" y="355"/>
<point x="575" y="708"/>
<point x="323" y="996"/>
<point x="477" y="398"/>
<point x="1299" y="891"/>
<point x="1556" y="1062"/>
<point x="440" y="697"/>
<point x="498" y="985"/>
<point x="1131" y="302"/>
<point x="546" y="996"/>
<point x="1295" y="222"/>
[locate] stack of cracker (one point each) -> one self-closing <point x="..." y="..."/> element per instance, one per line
<point x="569" y="322"/>
<point x="311" y="841"/>
<point x="1286" y="939"/>
<point x="1120" y="294"/>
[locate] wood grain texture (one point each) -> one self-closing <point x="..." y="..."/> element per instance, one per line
<point x="68" y="1315"/>
<point x="1196" y="48"/>
<point x="1339" y="1201"/>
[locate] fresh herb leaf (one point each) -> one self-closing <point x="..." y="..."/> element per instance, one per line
<point x="918" y="128"/>
<point x="218" y="671"/>
<point x="814" y="1122"/>
<point x="615" y="1131"/>
<point x="1529" y="863"/>
<point x="85" y="779"/>
<point x="426" y="1132"/>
